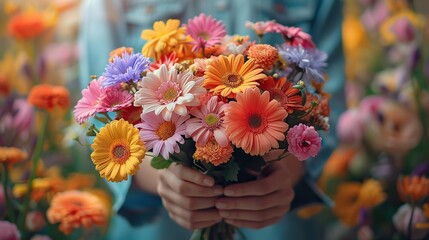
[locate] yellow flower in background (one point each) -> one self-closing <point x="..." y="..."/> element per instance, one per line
<point x="11" y="155"/>
<point x="351" y="197"/>
<point x="41" y="187"/>
<point x="165" y="37"/>
<point x="310" y="211"/>
<point x="402" y="26"/>
<point x="118" y="151"/>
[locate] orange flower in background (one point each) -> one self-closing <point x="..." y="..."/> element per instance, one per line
<point x="75" y="209"/>
<point x="27" y="25"/>
<point x="41" y="187"/>
<point x="119" y="51"/>
<point x="413" y="189"/>
<point x="353" y="196"/>
<point x="213" y="153"/>
<point x="11" y="155"/>
<point x="426" y="210"/>
<point x="4" y="85"/>
<point x="79" y="181"/>
<point x="264" y="55"/>
<point x="48" y="97"/>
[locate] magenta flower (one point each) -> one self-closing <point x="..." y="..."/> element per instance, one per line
<point x="351" y="126"/>
<point x="304" y="141"/>
<point x="208" y="122"/>
<point x="8" y="231"/>
<point x="89" y="104"/>
<point x="23" y="119"/>
<point x="115" y="98"/>
<point x="205" y="31"/>
<point x="160" y="135"/>
<point x="294" y="36"/>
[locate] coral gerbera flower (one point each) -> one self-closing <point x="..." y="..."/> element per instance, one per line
<point x="412" y="189"/>
<point x="205" y="31"/>
<point x="118" y="151"/>
<point x="208" y="122"/>
<point x="228" y="76"/>
<point x="89" y="104"/>
<point x="284" y="92"/>
<point x="213" y="153"/>
<point x="11" y="155"/>
<point x="254" y="123"/>
<point x="48" y="97"/>
<point x="75" y="209"/>
<point x="168" y="59"/>
<point x="265" y="55"/>
<point x="162" y="136"/>
<point x="114" y="99"/>
<point x="165" y="37"/>
<point x="166" y="91"/>
<point x="27" y="25"/>
<point x="126" y="68"/>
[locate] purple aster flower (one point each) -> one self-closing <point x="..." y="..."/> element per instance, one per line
<point x="308" y="64"/>
<point x="126" y="68"/>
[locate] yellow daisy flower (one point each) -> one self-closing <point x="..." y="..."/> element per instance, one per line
<point x="118" y="151"/>
<point x="228" y="76"/>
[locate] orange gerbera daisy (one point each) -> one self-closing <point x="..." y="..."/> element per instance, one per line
<point x="265" y="55"/>
<point x="117" y="52"/>
<point x="228" y="76"/>
<point x="27" y="25"/>
<point x="11" y="155"/>
<point x="213" y="153"/>
<point x="75" y="209"/>
<point x="426" y="210"/>
<point x="48" y="97"/>
<point x="284" y="92"/>
<point x="413" y="189"/>
<point x="254" y="123"/>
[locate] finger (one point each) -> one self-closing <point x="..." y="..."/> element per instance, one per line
<point x="192" y="226"/>
<point x="190" y="203"/>
<point x="191" y="175"/>
<point x="271" y="183"/>
<point x="262" y="215"/>
<point x="256" y="202"/>
<point x="253" y="224"/>
<point x="192" y="216"/>
<point x="189" y="189"/>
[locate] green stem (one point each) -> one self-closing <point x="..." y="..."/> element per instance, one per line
<point x="107" y="116"/>
<point x="410" y="224"/>
<point x="5" y="181"/>
<point x="35" y="160"/>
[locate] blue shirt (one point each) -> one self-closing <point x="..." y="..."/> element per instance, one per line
<point x="108" y="24"/>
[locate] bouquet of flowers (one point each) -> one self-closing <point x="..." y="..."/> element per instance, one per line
<point x="213" y="102"/>
<point x="378" y="177"/>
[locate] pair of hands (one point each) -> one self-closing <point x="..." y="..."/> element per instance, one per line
<point x="194" y="201"/>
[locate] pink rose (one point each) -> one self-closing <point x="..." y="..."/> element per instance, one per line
<point x="8" y="231"/>
<point x="350" y="127"/>
<point x="404" y="30"/>
<point x="304" y="141"/>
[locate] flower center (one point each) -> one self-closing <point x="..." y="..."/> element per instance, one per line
<point x="120" y="151"/>
<point x="211" y="120"/>
<point x="204" y="35"/>
<point x="166" y="130"/>
<point x="278" y="95"/>
<point x="232" y="80"/>
<point x="168" y="92"/>
<point x="256" y="122"/>
<point x="305" y="143"/>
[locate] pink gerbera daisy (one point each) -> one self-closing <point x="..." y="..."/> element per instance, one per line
<point x="208" y="122"/>
<point x="115" y="98"/>
<point x="205" y="31"/>
<point x="254" y="123"/>
<point x="162" y="136"/>
<point x="166" y="91"/>
<point x="89" y="104"/>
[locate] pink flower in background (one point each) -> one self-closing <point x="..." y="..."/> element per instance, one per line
<point x="89" y="104"/>
<point x="115" y="98"/>
<point x="404" y="30"/>
<point x="40" y="237"/>
<point x="24" y="116"/>
<point x="162" y="136"/>
<point x="375" y="15"/>
<point x="61" y="53"/>
<point x="208" y="122"/>
<point x="294" y="36"/>
<point x="260" y="27"/>
<point x="370" y="105"/>
<point x="205" y="31"/>
<point x="350" y="127"/>
<point x="303" y="141"/>
<point x="35" y="220"/>
<point x="402" y="218"/>
<point x="166" y="92"/>
<point x="8" y="231"/>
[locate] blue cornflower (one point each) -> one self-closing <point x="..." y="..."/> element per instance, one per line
<point x="309" y="62"/>
<point x="126" y="68"/>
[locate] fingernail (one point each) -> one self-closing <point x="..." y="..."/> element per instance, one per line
<point x="218" y="191"/>
<point x="224" y="214"/>
<point x="229" y="192"/>
<point x="207" y="182"/>
<point x="221" y="205"/>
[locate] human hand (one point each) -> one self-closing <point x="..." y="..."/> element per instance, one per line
<point x="189" y="196"/>
<point x="258" y="203"/>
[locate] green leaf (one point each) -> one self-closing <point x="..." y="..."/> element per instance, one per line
<point x="231" y="172"/>
<point x="160" y="163"/>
